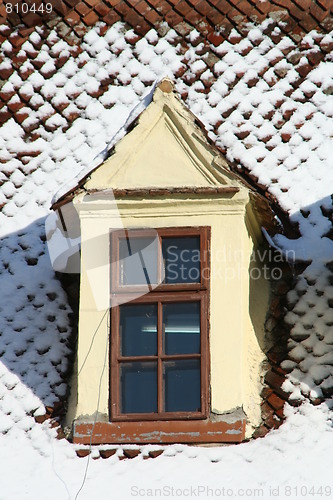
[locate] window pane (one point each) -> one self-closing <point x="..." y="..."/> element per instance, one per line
<point x="182" y="385"/>
<point x="181" y="326"/>
<point x="138" y="330"/>
<point x="138" y="387"/>
<point x="181" y="257"/>
<point x="138" y="260"/>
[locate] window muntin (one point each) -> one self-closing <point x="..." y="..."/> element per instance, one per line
<point x="159" y="339"/>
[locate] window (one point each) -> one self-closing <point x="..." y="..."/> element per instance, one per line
<point x="160" y="283"/>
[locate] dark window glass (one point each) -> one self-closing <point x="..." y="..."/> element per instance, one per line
<point x="181" y="258"/>
<point x="138" y="260"/>
<point x="182" y="385"/>
<point x="138" y="330"/>
<point x="138" y="386"/>
<point x="181" y="325"/>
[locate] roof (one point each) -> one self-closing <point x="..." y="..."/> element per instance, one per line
<point x="263" y="92"/>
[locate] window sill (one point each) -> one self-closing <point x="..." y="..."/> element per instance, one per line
<point x="162" y="432"/>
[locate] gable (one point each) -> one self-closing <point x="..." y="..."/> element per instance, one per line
<point x="166" y="149"/>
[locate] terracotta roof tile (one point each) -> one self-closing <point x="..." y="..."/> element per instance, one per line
<point x="230" y="75"/>
<point x="206" y="15"/>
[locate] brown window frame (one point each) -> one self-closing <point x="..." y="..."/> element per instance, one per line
<point x="163" y="293"/>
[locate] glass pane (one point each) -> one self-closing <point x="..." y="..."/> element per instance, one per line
<point x="138" y="387"/>
<point x="138" y="330"/>
<point x="181" y="326"/>
<point x="138" y="260"/>
<point x="182" y="385"/>
<point x="181" y="258"/>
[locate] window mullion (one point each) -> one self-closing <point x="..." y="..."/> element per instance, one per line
<point x="159" y="361"/>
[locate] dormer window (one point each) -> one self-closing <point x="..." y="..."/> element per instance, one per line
<point x="159" y="340"/>
<point x="174" y="307"/>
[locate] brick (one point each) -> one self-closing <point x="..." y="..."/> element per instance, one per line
<point x="260" y="432"/>
<point x="25" y="32"/>
<point x="5" y="73"/>
<point x="102" y="9"/>
<point x="288" y="25"/>
<point x="193" y="17"/>
<point x="153" y="17"/>
<point x="318" y="13"/>
<point x="325" y="4"/>
<point x="222" y="5"/>
<point x="60" y="7"/>
<point x="263" y="7"/>
<point x="304" y="4"/>
<point x="274" y="380"/>
<point x="315" y="57"/>
<point x="183" y="28"/>
<point x="82" y="453"/>
<point x="92" y="3"/>
<point x="326" y="47"/>
<point x="133" y="2"/>
<point x="123" y="9"/>
<point x="204" y="28"/>
<point x="71" y="3"/>
<point x="82" y="8"/>
<point x="107" y="453"/>
<point x="308" y="23"/>
<point x="155" y="453"/>
<point x="5" y="115"/>
<point x="327" y="24"/>
<point x="131" y="453"/>
<point x="142" y="8"/>
<point x="16" y="41"/>
<point x="72" y="18"/>
<point x="296" y="11"/>
<point x="304" y="70"/>
<point x="216" y="18"/>
<point x="245" y="7"/>
<point x="257" y="16"/>
<point x="282" y="3"/>
<point x="90" y="19"/>
<point x="234" y="13"/>
<point x="133" y="18"/>
<point x="15" y="106"/>
<point x="275" y="402"/>
<point x="111" y="18"/>
<point x="20" y="117"/>
<point x="183" y="7"/>
<point x="172" y="18"/>
<point x="14" y="19"/>
<point x="204" y="8"/>
<point x="162" y="7"/>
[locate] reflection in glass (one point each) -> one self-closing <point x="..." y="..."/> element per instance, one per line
<point x="181" y="325"/>
<point x="182" y="385"/>
<point x="138" y="260"/>
<point x="138" y="386"/>
<point x="138" y="330"/>
<point x="181" y="258"/>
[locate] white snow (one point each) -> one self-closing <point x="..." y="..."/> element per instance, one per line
<point x="288" y="463"/>
<point x="292" y="462"/>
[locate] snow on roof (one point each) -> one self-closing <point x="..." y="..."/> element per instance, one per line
<point x="266" y="101"/>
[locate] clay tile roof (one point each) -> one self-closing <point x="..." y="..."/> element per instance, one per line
<point x="263" y="91"/>
<point x="214" y="19"/>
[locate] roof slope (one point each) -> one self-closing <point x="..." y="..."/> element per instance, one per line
<point x="266" y="100"/>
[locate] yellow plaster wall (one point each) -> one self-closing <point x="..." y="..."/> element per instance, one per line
<point x="234" y="349"/>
